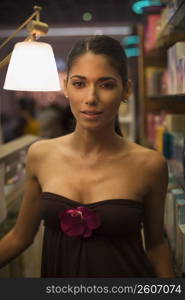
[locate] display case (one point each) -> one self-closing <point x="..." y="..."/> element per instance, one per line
<point x="162" y="111"/>
<point x="127" y="119"/>
<point x="154" y="73"/>
<point x="12" y="182"/>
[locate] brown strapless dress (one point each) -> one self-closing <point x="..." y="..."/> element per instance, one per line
<point x="114" y="249"/>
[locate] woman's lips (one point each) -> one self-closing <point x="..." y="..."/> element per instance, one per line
<point x="91" y="115"/>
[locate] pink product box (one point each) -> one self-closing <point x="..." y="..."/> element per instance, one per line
<point x="181" y="75"/>
<point x="176" y="56"/>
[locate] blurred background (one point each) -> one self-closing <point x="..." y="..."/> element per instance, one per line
<point x="68" y="20"/>
<point x="152" y="33"/>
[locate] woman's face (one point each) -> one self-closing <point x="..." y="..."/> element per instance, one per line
<point x="95" y="91"/>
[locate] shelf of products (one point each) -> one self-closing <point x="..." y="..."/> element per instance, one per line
<point x="177" y="97"/>
<point x="127" y="119"/>
<point x="173" y="29"/>
<point x="12" y="181"/>
<point x="161" y="69"/>
<point x="162" y="110"/>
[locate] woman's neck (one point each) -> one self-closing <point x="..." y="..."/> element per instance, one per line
<point x="95" y="143"/>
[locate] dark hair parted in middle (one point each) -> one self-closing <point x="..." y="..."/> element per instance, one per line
<point x="105" y="45"/>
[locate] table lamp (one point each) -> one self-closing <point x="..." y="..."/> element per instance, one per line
<point x="32" y="65"/>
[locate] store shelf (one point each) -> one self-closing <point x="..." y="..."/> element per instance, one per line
<point x="177" y="97"/>
<point x="13" y="193"/>
<point x="17" y="145"/>
<point x="157" y="58"/>
<point x="153" y="105"/>
<point x="174" y="29"/>
<point x="12" y="186"/>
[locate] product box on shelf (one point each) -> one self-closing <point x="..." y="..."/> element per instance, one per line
<point x="159" y="145"/>
<point x="175" y="55"/>
<point x="170" y="215"/>
<point x="176" y="3"/>
<point x="151" y="124"/>
<point x="180" y="211"/>
<point x="180" y="247"/>
<point x="179" y="220"/>
<point x="175" y="122"/>
<point x="172" y="74"/>
<point x="176" y="162"/>
<point x="3" y="206"/>
<point x="151" y="31"/>
<point x="167" y="144"/>
<point x="181" y="75"/>
<point x="165" y="16"/>
<point x="155" y="128"/>
<point x="154" y="76"/>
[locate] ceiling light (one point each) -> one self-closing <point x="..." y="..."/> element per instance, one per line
<point x="87" y="16"/>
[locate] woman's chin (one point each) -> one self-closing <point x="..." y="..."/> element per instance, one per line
<point x="91" y="127"/>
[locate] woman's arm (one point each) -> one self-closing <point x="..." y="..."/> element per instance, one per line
<point x="156" y="246"/>
<point x="28" y="221"/>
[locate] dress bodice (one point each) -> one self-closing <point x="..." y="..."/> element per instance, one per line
<point x="114" y="249"/>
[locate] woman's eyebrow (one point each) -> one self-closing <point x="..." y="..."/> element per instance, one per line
<point x="99" y="79"/>
<point x="106" y="78"/>
<point x="78" y="76"/>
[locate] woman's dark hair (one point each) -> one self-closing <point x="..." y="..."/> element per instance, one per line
<point x="105" y="45"/>
<point x="101" y="44"/>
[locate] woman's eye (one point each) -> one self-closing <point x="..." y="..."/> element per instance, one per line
<point x="78" y="83"/>
<point x="108" y="85"/>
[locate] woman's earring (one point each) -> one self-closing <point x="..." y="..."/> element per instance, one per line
<point x="67" y="96"/>
<point x="125" y="100"/>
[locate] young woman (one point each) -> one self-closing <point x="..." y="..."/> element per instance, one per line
<point x="94" y="189"/>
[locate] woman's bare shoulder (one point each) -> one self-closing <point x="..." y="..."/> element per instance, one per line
<point x="36" y="152"/>
<point x="157" y="163"/>
<point x="43" y="145"/>
<point x="138" y="148"/>
<point x="151" y="156"/>
<point x="151" y="163"/>
<point x="39" y="153"/>
<point x="38" y="146"/>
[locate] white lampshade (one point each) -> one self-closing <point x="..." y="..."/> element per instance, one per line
<point x="32" y="67"/>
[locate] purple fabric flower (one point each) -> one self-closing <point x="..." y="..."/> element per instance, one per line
<point x="79" y="221"/>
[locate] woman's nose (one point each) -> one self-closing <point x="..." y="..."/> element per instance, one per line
<point x="91" y="97"/>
